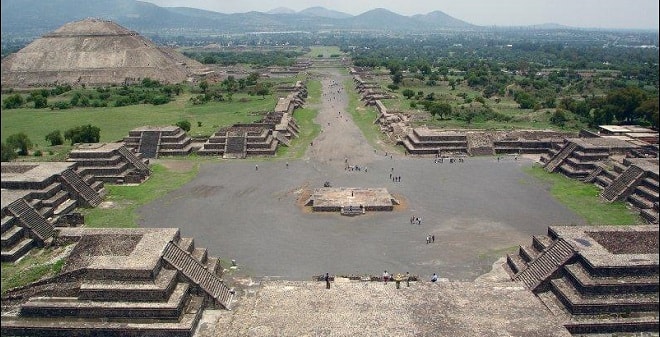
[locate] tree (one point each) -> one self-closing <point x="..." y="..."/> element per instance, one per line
<point x="397" y="78"/>
<point x="19" y="142"/>
<point x="558" y="117"/>
<point x="55" y="138"/>
<point x="204" y="86"/>
<point x="83" y="134"/>
<point x="440" y="109"/>
<point x="262" y="90"/>
<point x="184" y="124"/>
<point x="7" y="153"/>
<point x="12" y="102"/>
<point x="408" y="93"/>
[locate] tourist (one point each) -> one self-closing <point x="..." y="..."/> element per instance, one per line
<point x="434" y="278"/>
<point x="287" y="164"/>
<point x="256" y="167"/>
<point x="407" y="279"/>
<point x="386" y="276"/>
<point x="428" y="239"/>
<point x="433" y="238"/>
<point x="327" y="281"/>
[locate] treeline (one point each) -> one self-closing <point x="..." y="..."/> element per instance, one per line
<point x="257" y="58"/>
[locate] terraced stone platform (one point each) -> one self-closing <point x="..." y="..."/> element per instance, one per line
<point x="351" y="201"/>
<point x="119" y="282"/>
<point x="603" y="279"/>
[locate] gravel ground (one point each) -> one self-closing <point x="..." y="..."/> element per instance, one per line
<point x="477" y="209"/>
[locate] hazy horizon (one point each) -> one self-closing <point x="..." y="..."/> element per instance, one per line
<point x="633" y="14"/>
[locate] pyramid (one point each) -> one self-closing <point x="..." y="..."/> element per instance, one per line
<point x="95" y="52"/>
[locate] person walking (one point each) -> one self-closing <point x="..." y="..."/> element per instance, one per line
<point x="386" y="276"/>
<point x="433" y="238"/>
<point x="256" y="167"/>
<point x="327" y="281"/>
<point x="407" y="279"/>
<point x="434" y="278"/>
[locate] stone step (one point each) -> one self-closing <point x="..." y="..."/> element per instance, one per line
<point x="11" y="236"/>
<point x="183" y="326"/>
<point x="578" y="303"/>
<point x="588" y="283"/>
<point x="516" y="263"/>
<point x="18" y="250"/>
<point x="640" y="201"/>
<point x="200" y="254"/>
<point x="528" y="253"/>
<point x="8" y="221"/>
<point x="157" y="290"/>
<point x="74" y="307"/>
<point x="541" y="242"/>
<point x="612" y="324"/>
<point x="56" y="199"/>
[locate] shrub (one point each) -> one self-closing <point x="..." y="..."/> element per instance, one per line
<point x="55" y="138"/>
<point x="38" y="153"/>
<point x="19" y="142"/>
<point x="7" y="153"/>
<point x="83" y="134"/>
<point x="185" y="125"/>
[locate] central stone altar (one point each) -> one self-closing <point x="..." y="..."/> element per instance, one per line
<point x="351" y="200"/>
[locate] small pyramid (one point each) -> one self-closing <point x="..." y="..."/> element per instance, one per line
<point x="95" y="52"/>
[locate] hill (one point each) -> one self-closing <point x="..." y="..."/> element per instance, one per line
<point x="33" y="18"/>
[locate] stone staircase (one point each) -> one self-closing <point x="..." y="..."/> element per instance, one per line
<point x="15" y="239"/>
<point x="595" y="290"/>
<point x="199" y="274"/>
<point x="592" y="176"/>
<point x="623" y="184"/>
<point x="80" y="188"/>
<point x="31" y="219"/>
<point x="557" y="160"/>
<point x="352" y="210"/>
<point x="149" y="141"/>
<point x="236" y="146"/>
<point x="133" y="159"/>
<point x="541" y="268"/>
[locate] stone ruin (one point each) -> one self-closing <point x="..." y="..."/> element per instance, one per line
<point x="154" y="141"/>
<point x="37" y="196"/>
<point x="263" y="137"/>
<point x="595" y="279"/>
<point x="370" y="91"/>
<point x="95" y="52"/>
<point x="110" y="163"/>
<point x="610" y="164"/>
<point x="120" y="282"/>
<point x="351" y="201"/>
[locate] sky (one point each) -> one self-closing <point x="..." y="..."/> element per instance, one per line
<point x="635" y="14"/>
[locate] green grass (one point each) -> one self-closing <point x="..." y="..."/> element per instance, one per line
<point x="37" y="264"/>
<point x="363" y="116"/>
<point x="583" y="199"/>
<point x="305" y="120"/>
<point x="126" y="199"/>
<point x="116" y="122"/>
<point x="325" y="50"/>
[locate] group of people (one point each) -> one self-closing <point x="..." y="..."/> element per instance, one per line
<point x="430" y="239"/>
<point x="386" y="278"/>
<point x="415" y="220"/>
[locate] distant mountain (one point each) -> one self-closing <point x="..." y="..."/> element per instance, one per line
<point x="281" y="10"/>
<point x="34" y="18"/>
<point x="440" y="19"/>
<point x="324" y="13"/>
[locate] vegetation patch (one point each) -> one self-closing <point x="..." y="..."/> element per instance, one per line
<point x="122" y="201"/>
<point x="584" y="199"/>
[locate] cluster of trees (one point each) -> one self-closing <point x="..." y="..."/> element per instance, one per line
<point x="148" y="91"/>
<point x="228" y="87"/>
<point x="264" y="58"/>
<point x="19" y="144"/>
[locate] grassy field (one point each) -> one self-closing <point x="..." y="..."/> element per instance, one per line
<point x="364" y="116"/>
<point x="519" y="118"/>
<point x="583" y="199"/>
<point x="305" y="120"/>
<point x="123" y="200"/>
<point x="326" y="51"/>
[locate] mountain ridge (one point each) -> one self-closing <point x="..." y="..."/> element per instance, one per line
<point x="33" y="18"/>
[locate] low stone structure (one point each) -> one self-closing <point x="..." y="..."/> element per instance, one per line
<point x="154" y="141"/>
<point x="263" y="137"/>
<point x="109" y="162"/>
<point x="597" y="279"/>
<point x="351" y="201"/>
<point x="577" y="157"/>
<point x="120" y="282"/>
<point x="35" y="196"/>
<point x="428" y="141"/>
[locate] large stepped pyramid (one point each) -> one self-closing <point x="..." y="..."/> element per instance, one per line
<point x="605" y="278"/>
<point x="120" y="282"/>
<point x="95" y="52"/>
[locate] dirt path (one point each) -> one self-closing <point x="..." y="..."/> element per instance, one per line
<point x="340" y="140"/>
